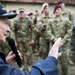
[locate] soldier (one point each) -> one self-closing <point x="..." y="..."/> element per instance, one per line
<point x="69" y="14"/>
<point x="73" y="45"/>
<point x="44" y="42"/>
<point x="31" y="22"/>
<point x="36" y="16"/>
<point x="35" y="37"/>
<point x="61" y="27"/>
<point x="41" y="42"/>
<point x="36" y="33"/>
<point x="23" y="38"/>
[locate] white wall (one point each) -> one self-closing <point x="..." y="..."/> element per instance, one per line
<point x="31" y="7"/>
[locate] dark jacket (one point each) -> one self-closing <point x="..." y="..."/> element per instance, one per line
<point x="42" y="67"/>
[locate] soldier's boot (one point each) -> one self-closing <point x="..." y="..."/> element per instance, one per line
<point x="70" y="62"/>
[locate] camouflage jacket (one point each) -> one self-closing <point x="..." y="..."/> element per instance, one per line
<point x="22" y="30"/>
<point x="59" y="27"/>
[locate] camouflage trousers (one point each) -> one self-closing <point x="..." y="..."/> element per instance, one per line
<point x="64" y="59"/>
<point x="26" y="51"/>
<point x="35" y="53"/>
<point x="44" y="50"/>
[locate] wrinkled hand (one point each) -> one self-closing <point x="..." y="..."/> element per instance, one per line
<point x="10" y="59"/>
<point x="54" y="51"/>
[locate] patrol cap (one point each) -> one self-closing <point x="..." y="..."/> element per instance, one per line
<point x="21" y="10"/>
<point x="30" y="14"/>
<point x="44" y="5"/>
<point x="4" y="13"/>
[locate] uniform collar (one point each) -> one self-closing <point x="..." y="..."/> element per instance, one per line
<point x="60" y="18"/>
<point x="46" y="16"/>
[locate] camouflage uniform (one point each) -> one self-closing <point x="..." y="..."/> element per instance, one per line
<point x="71" y="16"/>
<point x="42" y="44"/>
<point x="23" y="37"/>
<point x="44" y="41"/>
<point x="36" y="38"/>
<point x="61" y="27"/>
<point x="67" y="13"/>
<point x="36" y="35"/>
<point x="33" y="36"/>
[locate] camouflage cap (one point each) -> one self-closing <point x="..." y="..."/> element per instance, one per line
<point x="21" y="10"/>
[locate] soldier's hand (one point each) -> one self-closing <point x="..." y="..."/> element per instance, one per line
<point x="39" y="33"/>
<point x="54" y="51"/>
<point x="31" y="42"/>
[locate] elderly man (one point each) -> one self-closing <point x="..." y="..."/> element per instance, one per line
<point x="42" y="67"/>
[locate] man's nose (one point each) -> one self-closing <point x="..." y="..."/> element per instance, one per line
<point x="8" y="29"/>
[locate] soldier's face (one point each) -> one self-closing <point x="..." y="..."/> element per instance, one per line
<point x="31" y="16"/>
<point x="4" y="29"/>
<point x="58" y="11"/>
<point x="62" y="5"/>
<point x="21" y="14"/>
<point x="38" y="13"/>
<point x="46" y="10"/>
